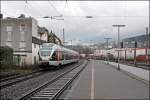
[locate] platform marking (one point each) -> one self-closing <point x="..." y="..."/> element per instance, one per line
<point x="92" y="82"/>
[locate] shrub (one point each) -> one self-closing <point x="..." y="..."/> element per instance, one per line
<point x="6" y="55"/>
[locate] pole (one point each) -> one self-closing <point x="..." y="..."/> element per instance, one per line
<point x="71" y="44"/>
<point x="91" y="49"/>
<point x="135" y="45"/>
<point x="118" y="42"/>
<point x="148" y="51"/>
<point x="147" y="46"/>
<point x="118" y="48"/>
<point x="125" y="55"/>
<point x="107" y="39"/>
<point x="63" y="36"/>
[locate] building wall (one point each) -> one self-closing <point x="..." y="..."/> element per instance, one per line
<point x="35" y="57"/>
<point x="17" y="33"/>
<point x="35" y="28"/>
<point x="28" y="59"/>
<point x="44" y="36"/>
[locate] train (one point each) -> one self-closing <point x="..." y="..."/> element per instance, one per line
<point x="51" y="54"/>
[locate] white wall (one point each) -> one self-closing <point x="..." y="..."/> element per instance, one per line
<point x="28" y="59"/>
<point x="35" y="52"/>
<point x="35" y="28"/>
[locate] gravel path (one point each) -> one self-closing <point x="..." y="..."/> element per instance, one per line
<point x="17" y="90"/>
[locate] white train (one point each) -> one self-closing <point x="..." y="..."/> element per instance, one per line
<point x="54" y="55"/>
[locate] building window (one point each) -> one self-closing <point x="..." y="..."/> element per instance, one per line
<point x="22" y="45"/>
<point x="22" y="36"/>
<point x="22" y="27"/>
<point x="9" y="29"/>
<point x="34" y="45"/>
<point x="22" y="32"/>
<point x="9" y="44"/>
<point x="9" y="36"/>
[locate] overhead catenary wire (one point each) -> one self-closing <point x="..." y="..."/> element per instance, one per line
<point x="33" y="9"/>
<point x="66" y="3"/>
<point x="54" y="8"/>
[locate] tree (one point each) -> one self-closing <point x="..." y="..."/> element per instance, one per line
<point x="6" y="55"/>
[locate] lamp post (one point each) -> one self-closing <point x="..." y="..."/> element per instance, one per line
<point x="135" y="46"/>
<point x="63" y="36"/>
<point x="71" y="44"/>
<point x="91" y="49"/>
<point x="118" y="42"/>
<point x="125" y="57"/>
<point x="147" y="46"/>
<point x="107" y="39"/>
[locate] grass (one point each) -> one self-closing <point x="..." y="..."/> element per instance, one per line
<point x="6" y="69"/>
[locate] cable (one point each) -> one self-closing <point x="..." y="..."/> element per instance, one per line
<point x="54" y="7"/>
<point x="66" y="3"/>
<point x="33" y="9"/>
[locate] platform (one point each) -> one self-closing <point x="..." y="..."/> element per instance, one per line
<point x="102" y="81"/>
<point x="139" y="72"/>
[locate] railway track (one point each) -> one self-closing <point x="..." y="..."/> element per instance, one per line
<point x="55" y="87"/>
<point x="17" y="76"/>
<point x="7" y="76"/>
<point x="20" y="78"/>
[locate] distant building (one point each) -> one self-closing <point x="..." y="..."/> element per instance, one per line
<point x="100" y="52"/>
<point x="43" y="33"/>
<point x="24" y="36"/>
<point x="52" y="38"/>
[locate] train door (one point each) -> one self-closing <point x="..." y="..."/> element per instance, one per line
<point x="59" y="56"/>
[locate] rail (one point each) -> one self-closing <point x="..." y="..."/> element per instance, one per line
<point x="14" y="80"/>
<point x="55" y="87"/>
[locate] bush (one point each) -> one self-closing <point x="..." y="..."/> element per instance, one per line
<point x="6" y="55"/>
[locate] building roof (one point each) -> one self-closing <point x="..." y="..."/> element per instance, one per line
<point x="42" y="30"/>
<point x="37" y="41"/>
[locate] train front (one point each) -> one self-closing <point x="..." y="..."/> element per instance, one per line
<point x="45" y="54"/>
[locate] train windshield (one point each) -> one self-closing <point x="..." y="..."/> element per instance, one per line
<point x="45" y="53"/>
<point x="46" y="47"/>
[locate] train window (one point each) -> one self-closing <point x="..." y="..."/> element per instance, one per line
<point x="45" y="53"/>
<point x="65" y="55"/>
<point x="54" y="56"/>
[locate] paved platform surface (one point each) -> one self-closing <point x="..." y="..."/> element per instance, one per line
<point x="101" y="81"/>
<point x="141" y="73"/>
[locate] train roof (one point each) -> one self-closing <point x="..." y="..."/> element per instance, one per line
<point x="55" y="46"/>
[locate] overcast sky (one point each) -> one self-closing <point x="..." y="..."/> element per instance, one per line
<point x="78" y="28"/>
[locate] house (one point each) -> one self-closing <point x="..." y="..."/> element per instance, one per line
<point x="24" y="36"/>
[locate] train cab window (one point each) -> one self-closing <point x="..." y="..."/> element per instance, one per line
<point x="54" y="56"/>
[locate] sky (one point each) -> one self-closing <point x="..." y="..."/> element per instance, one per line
<point x="78" y="28"/>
